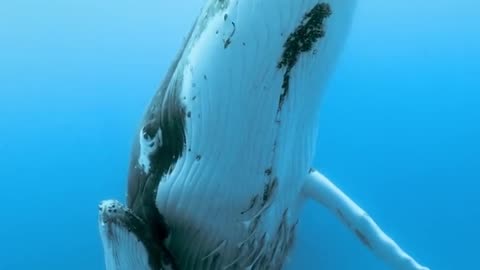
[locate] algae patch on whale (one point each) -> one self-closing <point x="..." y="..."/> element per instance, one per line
<point x="311" y="28"/>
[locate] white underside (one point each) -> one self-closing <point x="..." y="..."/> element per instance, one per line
<point x="233" y="96"/>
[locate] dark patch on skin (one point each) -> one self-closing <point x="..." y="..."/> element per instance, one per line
<point x="215" y="260"/>
<point x="281" y="226"/>
<point x="213" y="9"/>
<point x="268" y="171"/>
<point x="260" y="246"/>
<point x="291" y="236"/>
<point x="268" y="191"/>
<point x="198" y="157"/>
<point x="253" y="201"/>
<point x="283" y="236"/>
<point x="158" y="255"/>
<point x="363" y="238"/>
<point x="205" y="77"/>
<point x="342" y="217"/>
<point x="228" y="41"/>
<point x="265" y="251"/>
<point x="166" y="113"/>
<point x="278" y="239"/>
<point x="302" y="40"/>
<point x="261" y="263"/>
<point x="189" y="114"/>
<point x="254" y="224"/>
<point x="194" y="97"/>
<point x="358" y="233"/>
<point x="142" y="186"/>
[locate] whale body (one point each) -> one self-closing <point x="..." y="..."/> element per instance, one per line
<point x="222" y="162"/>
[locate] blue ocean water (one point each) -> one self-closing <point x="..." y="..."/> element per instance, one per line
<point x="399" y="128"/>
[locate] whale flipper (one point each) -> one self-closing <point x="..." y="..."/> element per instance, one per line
<point x="322" y="190"/>
<point x="127" y="242"/>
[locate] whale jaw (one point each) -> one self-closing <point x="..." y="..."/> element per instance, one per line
<point x="127" y="241"/>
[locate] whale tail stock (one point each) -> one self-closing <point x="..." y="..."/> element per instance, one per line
<point x="322" y="190"/>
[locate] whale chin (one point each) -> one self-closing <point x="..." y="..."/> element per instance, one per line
<point x="127" y="241"/>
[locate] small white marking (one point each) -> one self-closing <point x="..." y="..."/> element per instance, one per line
<point x="147" y="147"/>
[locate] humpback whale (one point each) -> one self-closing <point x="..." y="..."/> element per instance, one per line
<point x="222" y="162"/>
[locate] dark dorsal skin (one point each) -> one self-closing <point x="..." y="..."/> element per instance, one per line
<point x="142" y="186"/>
<point x="165" y="113"/>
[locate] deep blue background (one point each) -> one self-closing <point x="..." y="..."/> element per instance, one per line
<point x="399" y="129"/>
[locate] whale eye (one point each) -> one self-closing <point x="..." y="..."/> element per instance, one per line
<point x="145" y="135"/>
<point x="149" y="131"/>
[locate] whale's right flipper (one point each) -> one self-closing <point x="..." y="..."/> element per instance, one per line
<point x="322" y="190"/>
<point x="127" y="241"/>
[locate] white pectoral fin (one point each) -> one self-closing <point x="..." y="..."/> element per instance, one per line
<point x="322" y="190"/>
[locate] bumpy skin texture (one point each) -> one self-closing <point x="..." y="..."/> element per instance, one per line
<point x="119" y="228"/>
